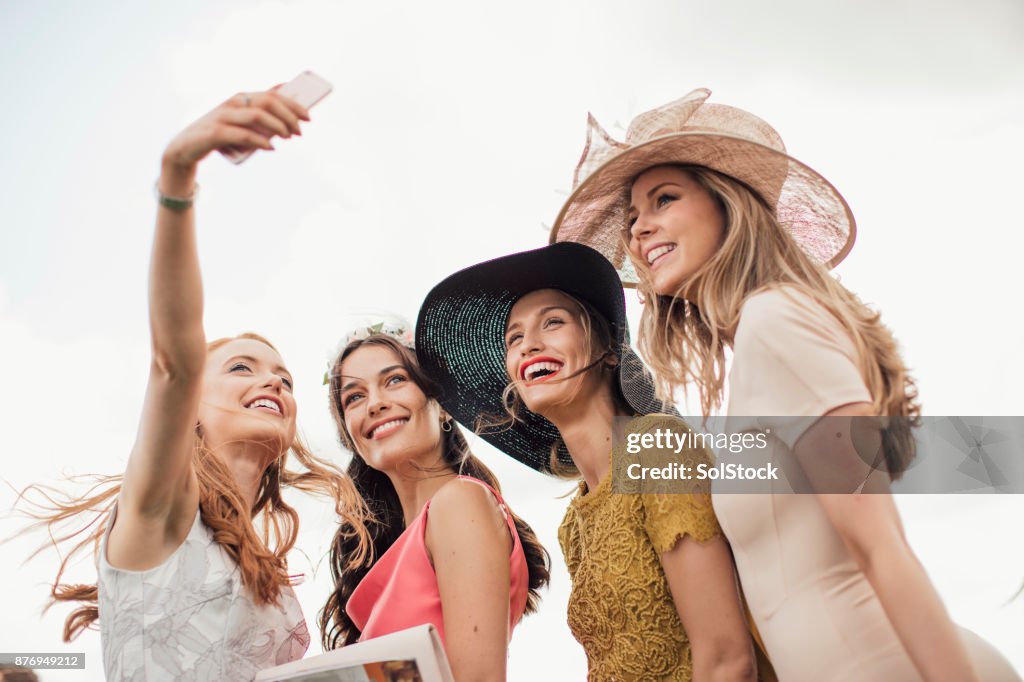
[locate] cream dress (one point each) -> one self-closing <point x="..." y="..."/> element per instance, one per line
<point x="190" y="618"/>
<point x="817" y="614"/>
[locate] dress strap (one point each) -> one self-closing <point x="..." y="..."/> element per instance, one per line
<point x="497" y="495"/>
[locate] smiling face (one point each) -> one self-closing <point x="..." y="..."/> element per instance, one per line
<point x="675" y="226"/>
<point x="247" y="396"/>
<point x="389" y="419"/>
<point x="547" y="347"/>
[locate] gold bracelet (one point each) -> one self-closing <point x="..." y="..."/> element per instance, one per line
<point x="178" y="204"/>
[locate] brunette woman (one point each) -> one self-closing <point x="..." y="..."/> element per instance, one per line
<point x="443" y="546"/>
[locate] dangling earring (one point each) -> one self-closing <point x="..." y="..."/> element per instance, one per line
<point x="446" y="426"/>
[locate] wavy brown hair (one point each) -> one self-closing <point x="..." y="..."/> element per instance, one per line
<point x="354" y="550"/>
<point x="260" y="555"/>
<point x="684" y="340"/>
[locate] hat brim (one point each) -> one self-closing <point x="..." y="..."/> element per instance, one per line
<point x="460" y="342"/>
<point x="805" y="203"/>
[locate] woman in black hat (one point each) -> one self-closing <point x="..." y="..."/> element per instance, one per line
<point x="541" y="337"/>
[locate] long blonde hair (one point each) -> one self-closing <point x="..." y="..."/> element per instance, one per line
<point x="260" y="555"/>
<point x="684" y="340"/>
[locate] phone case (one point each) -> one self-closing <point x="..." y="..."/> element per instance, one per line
<point x="307" y="89"/>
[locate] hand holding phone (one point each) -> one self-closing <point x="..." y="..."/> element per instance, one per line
<point x="306" y="89"/>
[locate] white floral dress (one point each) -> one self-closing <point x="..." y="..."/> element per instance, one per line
<point x="191" y="619"/>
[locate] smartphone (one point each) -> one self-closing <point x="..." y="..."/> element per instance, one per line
<point x="307" y="89"/>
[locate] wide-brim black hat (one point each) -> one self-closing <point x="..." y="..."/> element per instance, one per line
<point x="460" y="340"/>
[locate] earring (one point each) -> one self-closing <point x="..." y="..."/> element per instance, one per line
<point x="446" y="426"/>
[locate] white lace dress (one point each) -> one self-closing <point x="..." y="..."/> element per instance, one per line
<point x="190" y="618"/>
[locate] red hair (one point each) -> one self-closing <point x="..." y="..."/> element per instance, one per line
<point x="260" y="555"/>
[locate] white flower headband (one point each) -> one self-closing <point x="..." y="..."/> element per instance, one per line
<point x="398" y="330"/>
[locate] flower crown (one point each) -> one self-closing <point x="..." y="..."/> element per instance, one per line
<point x="400" y="331"/>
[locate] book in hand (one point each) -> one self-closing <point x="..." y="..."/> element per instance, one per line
<point x="413" y="655"/>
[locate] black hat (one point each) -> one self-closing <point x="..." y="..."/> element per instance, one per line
<point x="460" y="340"/>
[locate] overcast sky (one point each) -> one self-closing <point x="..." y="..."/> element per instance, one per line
<point x="450" y="138"/>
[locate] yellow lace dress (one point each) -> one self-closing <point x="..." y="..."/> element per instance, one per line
<point x="620" y="606"/>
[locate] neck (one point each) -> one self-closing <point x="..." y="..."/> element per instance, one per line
<point x="586" y="429"/>
<point x="415" y="485"/>
<point x="247" y="462"/>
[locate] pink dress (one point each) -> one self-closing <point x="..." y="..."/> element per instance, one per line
<point x="400" y="590"/>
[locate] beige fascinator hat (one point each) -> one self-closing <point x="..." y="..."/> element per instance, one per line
<point x="690" y="131"/>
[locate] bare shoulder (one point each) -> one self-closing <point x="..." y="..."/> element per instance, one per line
<point x="138" y="542"/>
<point x="462" y="497"/>
<point x="465" y="511"/>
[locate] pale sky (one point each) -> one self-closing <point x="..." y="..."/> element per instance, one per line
<point x="450" y="138"/>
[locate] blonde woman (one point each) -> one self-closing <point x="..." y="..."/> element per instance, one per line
<point x="189" y="586"/>
<point x="729" y="241"/>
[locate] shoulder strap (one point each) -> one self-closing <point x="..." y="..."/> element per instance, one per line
<point x="497" y="496"/>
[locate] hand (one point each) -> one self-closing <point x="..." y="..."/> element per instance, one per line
<point x="244" y="121"/>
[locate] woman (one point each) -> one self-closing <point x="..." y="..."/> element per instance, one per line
<point x="543" y="334"/>
<point x="443" y="548"/>
<point x="188" y="586"/>
<point x="729" y="241"/>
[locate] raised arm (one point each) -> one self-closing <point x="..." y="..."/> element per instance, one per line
<point x="870" y="527"/>
<point x="159" y="497"/>
<point x="469" y="543"/>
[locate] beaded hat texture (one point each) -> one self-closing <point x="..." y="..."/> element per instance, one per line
<point x="690" y="131"/>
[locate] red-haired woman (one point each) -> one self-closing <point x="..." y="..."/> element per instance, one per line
<point x="188" y="587"/>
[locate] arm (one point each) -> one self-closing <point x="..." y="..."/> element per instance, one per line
<point x="703" y="585"/>
<point x="870" y="526"/>
<point x="698" y="568"/>
<point x="469" y="542"/>
<point x="160" y="495"/>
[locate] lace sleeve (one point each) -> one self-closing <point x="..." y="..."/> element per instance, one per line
<point x="668" y="518"/>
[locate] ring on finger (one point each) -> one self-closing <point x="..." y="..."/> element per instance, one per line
<point x="246" y="99"/>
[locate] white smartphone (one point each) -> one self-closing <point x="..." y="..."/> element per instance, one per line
<point x="307" y="89"/>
